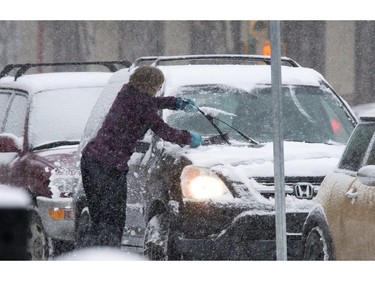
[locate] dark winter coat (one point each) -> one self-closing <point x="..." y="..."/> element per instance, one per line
<point x="131" y="115"/>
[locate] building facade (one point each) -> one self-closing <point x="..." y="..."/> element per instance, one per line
<point x="340" y="50"/>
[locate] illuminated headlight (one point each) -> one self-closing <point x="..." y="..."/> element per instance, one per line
<point x="202" y="184"/>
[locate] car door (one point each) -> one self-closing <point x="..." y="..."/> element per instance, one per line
<point x="359" y="222"/>
<point x="360" y="212"/>
<point x="358" y="209"/>
<point x="135" y="222"/>
<point x="14" y="118"/>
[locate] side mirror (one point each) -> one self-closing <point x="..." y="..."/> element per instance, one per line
<point x="10" y="143"/>
<point x="366" y="175"/>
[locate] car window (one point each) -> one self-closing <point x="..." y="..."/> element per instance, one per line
<point x="60" y="115"/>
<point x="311" y="114"/>
<point x="356" y="150"/>
<point x="369" y="158"/>
<point x="15" y="120"/>
<point x="4" y="103"/>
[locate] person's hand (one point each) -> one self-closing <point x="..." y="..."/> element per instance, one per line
<point x="186" y="104"/>
<point x="196" y="140"/>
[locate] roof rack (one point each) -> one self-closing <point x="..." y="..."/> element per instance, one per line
<point x="253" y="58"/>
<point x="22" y="68"/>
<point x="140" y="60"/>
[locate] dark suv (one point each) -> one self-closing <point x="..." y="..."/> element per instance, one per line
<point x="42" y="118"/>
<point x="217" y="201"/>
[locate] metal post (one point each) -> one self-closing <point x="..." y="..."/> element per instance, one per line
<point x="278" y="147"/>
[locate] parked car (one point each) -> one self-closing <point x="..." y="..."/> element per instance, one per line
<point x="217" y="201"/>
<point x="342" y="225"/>
<point x="42" y="118"/>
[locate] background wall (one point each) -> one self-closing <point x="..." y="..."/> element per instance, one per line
<point x="340" y="50"/>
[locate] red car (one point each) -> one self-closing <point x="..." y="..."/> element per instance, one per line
<point x="42" y="118"/>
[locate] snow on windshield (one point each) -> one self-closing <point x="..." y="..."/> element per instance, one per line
<point x="61" y="115"/>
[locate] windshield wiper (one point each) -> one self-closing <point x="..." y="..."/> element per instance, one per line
<point x="210" y="119"/>
<point x="55" y="144"/>
<point x="241" y="134"/>
<point x="222" y="135"/>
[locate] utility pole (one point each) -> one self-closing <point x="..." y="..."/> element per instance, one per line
<point x="278" y="146"/>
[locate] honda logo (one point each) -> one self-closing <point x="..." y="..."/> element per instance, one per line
<point x="304" y="190"/>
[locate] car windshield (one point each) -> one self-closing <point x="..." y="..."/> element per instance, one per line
<point x="60" y="115"/>
<point x="310" y="114"/>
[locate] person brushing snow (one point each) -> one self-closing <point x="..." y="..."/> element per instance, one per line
<point x="104" y="159"/>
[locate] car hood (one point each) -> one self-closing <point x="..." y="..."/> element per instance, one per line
<point x="61" y="163"/>
<point x="240" y="164"/>
<point x="251" y="165"/>
<point x="236" y="162"/>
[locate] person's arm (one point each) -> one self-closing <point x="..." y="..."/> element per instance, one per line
<point x="166" y="132"/>
<point x="175" y="103"/>
<point x="166" y="102"/>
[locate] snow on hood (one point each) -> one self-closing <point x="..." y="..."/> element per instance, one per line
<point x="241" y="163"/>
<point x="62" y="164"/>
<point x="301" y="159"/>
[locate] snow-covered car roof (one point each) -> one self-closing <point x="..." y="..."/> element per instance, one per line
<point x="240" y="76"/>
<point x="58" y="80"/>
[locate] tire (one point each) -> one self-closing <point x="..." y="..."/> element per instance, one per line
<point x="38" y="244"/>
<point x="157" y="242"/>
<point x="318" y="245"/>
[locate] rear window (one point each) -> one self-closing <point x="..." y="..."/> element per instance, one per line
<point x="310" y="114"/>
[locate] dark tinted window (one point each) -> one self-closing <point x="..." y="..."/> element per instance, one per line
<point x="357" y="153"/>
<point x="311" y="114"/>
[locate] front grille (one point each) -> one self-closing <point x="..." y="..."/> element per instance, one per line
<point x="301" y="187"/>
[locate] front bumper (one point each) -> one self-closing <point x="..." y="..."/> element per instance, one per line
<point x="209" y="231"/>
<point x="57" y="217"/>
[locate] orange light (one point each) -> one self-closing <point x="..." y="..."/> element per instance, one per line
<point x="61" y="214"/>
<point x="56" y="214"/>
<point x="336" y="126"/>
<point x="266" y="51"/>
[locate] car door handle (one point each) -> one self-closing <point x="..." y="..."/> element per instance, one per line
<point x="351" y="194"/>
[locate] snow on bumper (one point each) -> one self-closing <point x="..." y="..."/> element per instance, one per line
<point x="57" y="217"/>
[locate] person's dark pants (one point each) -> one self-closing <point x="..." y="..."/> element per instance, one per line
<point x="106" y="192"/>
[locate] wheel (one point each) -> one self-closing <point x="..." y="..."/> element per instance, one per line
<point x="37" y="240"/>
<point x="317" y="245"/>
<point x="157" y="242"/>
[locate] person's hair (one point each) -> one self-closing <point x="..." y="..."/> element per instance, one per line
<point x="147" y="79"/>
